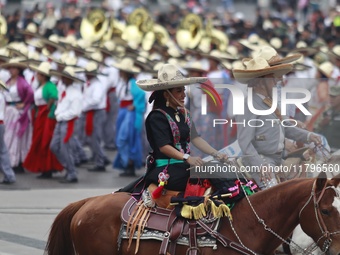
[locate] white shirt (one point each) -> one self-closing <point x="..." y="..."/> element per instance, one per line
<point x="94" y="96"/>
<point x="111" y="72"/>
<point x="38" y="97"/>
<point x="70" y="106"/>
<point x="12" y="95"/>
<point x="2" y="105"/>
<point x="123" y="91"/>
<point x="31" y="79"/>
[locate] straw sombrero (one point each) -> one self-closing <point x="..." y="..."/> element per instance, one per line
<point x="302" y="47"/>
<point x="326" y="68"/>
<point x="4" y="54"/>
<point x="195" y="66"/>
<point x="31" y="30"/>
<point x="272" y="57"/>
<point x="335" y="52"/>
<point x="258" y="67"/>
<point x="44" y="68"/>
<point x="81" y="45"/>
<point x="53" y="41"/>
<point x="108" y="47"/>
<point x="68" y="72"/>
<point x="33" y="57"/>
<point x="169" y="76"/>
<point x="18" y="49"/>
<point x="3" y="85"/>
<point x="15" y="62"/>
<point x="127" y="65"/>
<point x="91" y="68"/>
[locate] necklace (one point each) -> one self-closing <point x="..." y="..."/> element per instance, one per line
<point x="178" y="119"/>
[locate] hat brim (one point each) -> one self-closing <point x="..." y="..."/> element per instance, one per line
<point x="36" y="35"/>
<point x="285" y="60"/>
<point x="155" y="84"/>
<point x="244" y="76"/>
<point x="3" y="85"/>
<point x="125" y="69"/>
<point x="309" y="51"/>
<point x="53" y="44"/>
<point x="192" y="69"/>
<point x="36" y="69"/>
<point x="17" y="65"/>
<point x="66" y="75"/>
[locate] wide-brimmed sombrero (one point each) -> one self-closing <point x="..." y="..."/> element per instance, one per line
<point x="272" y="57"/>
<point x="127" y="65"/>
<point x="15" y="62"/>
<point x="335" y="52"/>
<point x="258" y="67"/>
<point x="107" y="47"/>
<point x="169" y="76"/>
<point x="32" y="57"/>
<point x="44" y="68"/>
<point x="3" y="85"/>
<point x="68" y="72"/>
<point x="302" y="47"/>
<point x="31" y="30"/>
<point x="4" y="55"/>
<point x="195" y="66"/>
<point x="18" y="49"/>
<point x="53" y="41"/>
<point x="91" y="68"/>
<point x="326" y="68"/>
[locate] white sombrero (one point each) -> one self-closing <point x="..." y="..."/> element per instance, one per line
<point x="15" y="62"/>
<point x="195" y="66"/>
<point x="169" y="76"/>
<point x="272" y="57"/>
<point x="68" y="72"/>
<point x="302" y="47"/>
<point x="335" y="52"/>
<point x="44" y="68"/>
<point x="53" y="41"/>
<point x="127" y="65"/>
<point x="326" y="68"/>
<point x="258" y="67"/>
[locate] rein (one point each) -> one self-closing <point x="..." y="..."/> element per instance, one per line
<point x="323" y="228"/>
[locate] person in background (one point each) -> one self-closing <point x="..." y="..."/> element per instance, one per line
<point x="129" y="120"/>
<point x="40" y="158"/>
<point x="67" y="111"/>
<point x="18" y="124"/>
<point x="5" y="164"/>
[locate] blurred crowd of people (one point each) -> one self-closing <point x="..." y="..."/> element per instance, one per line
<point x="45" y="53"/>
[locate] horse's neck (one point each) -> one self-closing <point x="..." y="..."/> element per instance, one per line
<point x="279" y="207"/>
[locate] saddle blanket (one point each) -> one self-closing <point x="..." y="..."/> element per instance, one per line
<point x="202" y="241"/>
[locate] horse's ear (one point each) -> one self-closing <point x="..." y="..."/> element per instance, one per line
<point x="321" y="181"/>
<point x="336" y="180"/>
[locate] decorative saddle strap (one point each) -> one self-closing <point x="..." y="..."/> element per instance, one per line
<point x="224" y="240"/>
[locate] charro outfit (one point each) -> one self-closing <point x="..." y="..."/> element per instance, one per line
<point x="159" y="133"/>
<point x="263" y="145"/>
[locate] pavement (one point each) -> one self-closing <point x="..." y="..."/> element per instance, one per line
<point x="28" y="207"/>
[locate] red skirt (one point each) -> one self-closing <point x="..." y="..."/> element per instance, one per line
<point x="40" y="158"/>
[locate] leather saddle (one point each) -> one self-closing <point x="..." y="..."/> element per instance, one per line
<point x="171" y="226"/>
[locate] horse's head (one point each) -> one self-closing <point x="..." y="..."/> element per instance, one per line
<point x="320" y="215"/>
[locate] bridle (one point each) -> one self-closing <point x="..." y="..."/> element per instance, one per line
<point x="323" y="228"/>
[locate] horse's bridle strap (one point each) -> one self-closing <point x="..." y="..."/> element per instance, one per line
<point x="226" y="242"/>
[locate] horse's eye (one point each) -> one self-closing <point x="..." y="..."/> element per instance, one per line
<point x="325" y="212"/>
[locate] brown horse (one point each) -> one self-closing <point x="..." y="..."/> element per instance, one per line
<point x="91" y="226"/>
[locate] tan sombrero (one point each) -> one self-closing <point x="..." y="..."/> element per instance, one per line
<point x="127" y="65"/>
<point x="36" y="43"/>
<point x="326" y="68"/>
<point x="253" y="42"/>
<point x="31" y="30"/>
<point x="195" y="66"/>
<point x="91" y="68"/>
<point x="15" y="62"/>
<point x="107" y="47"/>
<point x="44" y="68"/>
<point x="258" y="67"/>
<point x="33" y="57"/>
<point x="53" y="41"/>
<point x="3" y="85"/>
<point x="18" y="49"/>
<point x="68" y="72"/>
<point x="335" y="52"/>
<point x="4" y="54"/>
<point x="272" y="57"/>
<point x="302" y="47"/>
<point x="81" y="45"/>
<point x="169" y="76"/>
